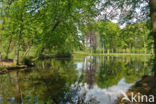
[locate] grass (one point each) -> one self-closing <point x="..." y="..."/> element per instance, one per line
<point x="111" y="54"/>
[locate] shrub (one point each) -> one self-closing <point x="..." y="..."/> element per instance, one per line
<point x="27" y="61"/>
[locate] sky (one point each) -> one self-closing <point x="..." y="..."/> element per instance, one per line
<point x="0" y="4"/>
<point x="116" y="15"/>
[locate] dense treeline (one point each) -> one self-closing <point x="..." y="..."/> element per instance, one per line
<point x="133" y="38"/>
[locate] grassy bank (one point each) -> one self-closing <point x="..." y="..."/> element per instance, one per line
<point x="111" y="54"/>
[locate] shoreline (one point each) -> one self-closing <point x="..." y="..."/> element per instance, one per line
<point x="112" y="54"/>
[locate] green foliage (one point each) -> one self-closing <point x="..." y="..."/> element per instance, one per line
<point x="63" y="54"/>
<point x="49" y="26"/>
<point x="60" y="27"/>
<point x="109" y="34"/>
<point x="27" y="61"/>
<point x="133" y="38"/>
<point x="136" y="36"/>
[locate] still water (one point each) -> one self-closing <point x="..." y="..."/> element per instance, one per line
<point x="81" y="80"/>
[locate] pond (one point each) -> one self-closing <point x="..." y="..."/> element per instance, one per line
<point x="81" y="80"/>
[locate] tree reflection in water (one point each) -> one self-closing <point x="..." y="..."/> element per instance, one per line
<point x="58" y="81"/>
<point x="90" y="71"/>
<point x="18" y="89"/>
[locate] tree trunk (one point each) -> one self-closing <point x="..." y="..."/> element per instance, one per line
<point x="152" y="4"/>
<point x="108" y="51"/>
<point x="27" y="51"/>
<point x="0" y="57"/>
<point x="112" y="50"/>
<point x="130" y="47"/>
<point x="8" y="47"/>
<point x="16" y="58"/>
<point x="18" y="89"/>
<point x="103" y="49"/>
<point x="41" y="53"/>
<point x="145" y="51"/>
<point x="94" y="49"/>
<point x="152" y="49"/>
<point x="125" y="50"/>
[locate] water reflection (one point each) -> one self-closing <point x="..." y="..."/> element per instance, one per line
<point x="89" y="80"/>
<point x="90" y="71"/>
<point x="111" y="75"/>
<point x="104" y="96"/>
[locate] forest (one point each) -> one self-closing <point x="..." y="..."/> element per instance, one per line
<point x="43" y="27"/>
<point x="102" y="42"/>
